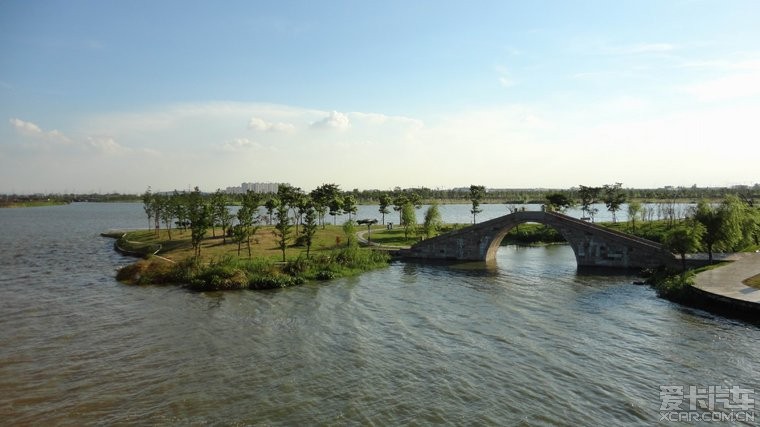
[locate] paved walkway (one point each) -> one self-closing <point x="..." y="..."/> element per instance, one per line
<point x="726" y="281"/>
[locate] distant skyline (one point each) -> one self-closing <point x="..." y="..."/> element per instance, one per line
<point x="99" y="96"/>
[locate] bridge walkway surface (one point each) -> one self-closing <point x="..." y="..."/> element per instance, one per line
<point x="727" y="282"/>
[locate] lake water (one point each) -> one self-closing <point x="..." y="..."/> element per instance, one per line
<point x="524" y="341"/>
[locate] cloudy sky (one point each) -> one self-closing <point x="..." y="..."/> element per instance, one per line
<point x="108" y="96"/>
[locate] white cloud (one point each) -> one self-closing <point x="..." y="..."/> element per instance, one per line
<point x="730" y="87"/>
<point x="239" y="144"/>
<point x="334" y="120"/>
<point x="32" y="130"/>
<point x="26" y="128"/>
<point x="259" y="124"/>
<point x="56" y="140"/>
<point x="376" y="119"/>
<point x="506" y="81"/>
<point x="104" y="145"/>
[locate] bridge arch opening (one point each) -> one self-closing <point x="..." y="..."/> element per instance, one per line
<point x="499" y="236"/>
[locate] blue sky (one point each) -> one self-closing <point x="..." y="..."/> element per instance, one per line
<point x="119" y="95"/>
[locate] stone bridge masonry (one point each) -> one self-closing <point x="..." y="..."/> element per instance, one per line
<point x="594" y="246"/>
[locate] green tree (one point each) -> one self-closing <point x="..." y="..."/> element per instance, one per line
<point x="301" y="201"/>
<point x="614" y="197"/>
<point x="477" y="192"/>
<point x="752" y="226"/>
<point x="247" y="220"/>
<point x="199" y="214"/>
<point x="349" y="205"/>
<point x="282" y="228"/>
<point x="179" y="205"/>
<point x="349" y="229"/>
<point x="399" y="200"/>
<point x="558" y="202"/>
<point x="271" y="205"/>
<point x="432" y="222"/>
<point x="683" y="239"/>
<point x="167" y="212"/>
<point x="634" y="209"/>
<point x="385" y="201"/>
<point x="723" y="224"/>
<point x="310" y="224"/>
<point x="408" y="219"/>
<point x="589" y="196"/>
<point x="221" y="213"/>
<point x="147" y="199"/>
<point x="336" y="208"/>
<point x="322" y="196"/>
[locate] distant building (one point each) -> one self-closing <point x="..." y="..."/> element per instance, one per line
<point x="256" y="187"/>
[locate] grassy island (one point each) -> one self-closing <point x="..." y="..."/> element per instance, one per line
<point x="224" y="265"/>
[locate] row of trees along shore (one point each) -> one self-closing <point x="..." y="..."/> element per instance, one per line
<point x="296" y="214"/>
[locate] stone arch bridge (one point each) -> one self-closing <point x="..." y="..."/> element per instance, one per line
<point x="594" y="246"/>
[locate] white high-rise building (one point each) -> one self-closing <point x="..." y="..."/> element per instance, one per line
<point x="256" y="187"/>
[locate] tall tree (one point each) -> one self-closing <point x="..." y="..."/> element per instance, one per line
<point x="722" y="223"/>
<point x="271" y="205"/>
<point x="349" y="229"/>
<point x="477" y="192"/>
<point x="167" y="212"/>
<point x="282" y="228"/>
<point x="399" y="200"/>
<point x="199" y="214"/>
<point x="634" y="209"/>
<point x="432" y="222"/>
<point x="684" y="239"/>
<point x="147" y="199"/>
<point x="247" y="220"/>
<point x="180" y="209"/>
<point x="614" y="197"/>
<point x="301" y="202"/>
<point x="589" y="196"/>
<point x="322" y="196"/>
<point x="336" y="208"/>
<point x="385" y="201"/>
<point x="221" y="213"/>
<point x="558" y="202"/>
<point x="408" y="219"/>
<point x="349" y="205"/>
<point x="309" y="228"/>
<point x="158" y="206"/>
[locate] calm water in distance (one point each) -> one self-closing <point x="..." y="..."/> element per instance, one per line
<point x="524" y="341"/>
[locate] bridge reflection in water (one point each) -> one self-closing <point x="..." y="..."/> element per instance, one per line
<point x="593" y="245"/>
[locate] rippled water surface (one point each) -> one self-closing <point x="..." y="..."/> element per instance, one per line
<point x="523" y="341"/>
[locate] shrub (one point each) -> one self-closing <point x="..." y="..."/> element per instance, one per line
<point x="297" y="267"/>
<point x="673" y="286"/>
<point x="274" y="281"/>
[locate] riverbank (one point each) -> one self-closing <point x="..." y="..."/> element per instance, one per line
<point x="31" y="203"/>
<point x="726" y="286"/>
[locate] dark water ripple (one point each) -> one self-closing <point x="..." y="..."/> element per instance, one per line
<point x="524" y="342"/>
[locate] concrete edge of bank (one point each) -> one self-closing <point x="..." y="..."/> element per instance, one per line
<point x="723" y="287"/>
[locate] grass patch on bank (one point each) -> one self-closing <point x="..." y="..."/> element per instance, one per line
<point x="221" y="268"/>
<point x="753" y="281"/>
